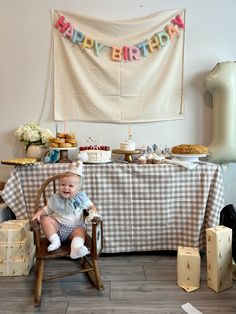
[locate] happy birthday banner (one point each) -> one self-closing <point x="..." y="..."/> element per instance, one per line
<point x="131" y="53"/>
<point x="89" y="87"/>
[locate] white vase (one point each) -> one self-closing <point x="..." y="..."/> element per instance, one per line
<point x="36" y="151"/>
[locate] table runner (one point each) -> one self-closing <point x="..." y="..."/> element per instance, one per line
<point x="144" y="207"/>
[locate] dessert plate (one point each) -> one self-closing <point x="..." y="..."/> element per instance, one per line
<point x="189" y="157"/>
<point x="19" y="161"/>
<point x="98" y="162"/>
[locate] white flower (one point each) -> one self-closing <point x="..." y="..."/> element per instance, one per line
<point x="33" y="133"/>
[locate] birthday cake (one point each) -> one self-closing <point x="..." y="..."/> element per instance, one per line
<point x="97" y="154"/>
<point x="127" y="145"/>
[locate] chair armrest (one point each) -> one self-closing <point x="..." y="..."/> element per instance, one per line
<point x="96" y="220"/>
<point x="35" y="227"/>
<point x="92" y="217"/>
<point x="97" y="237"/>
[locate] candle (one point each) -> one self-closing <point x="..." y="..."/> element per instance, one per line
<point x="56" y="128"/>
<point x="64" y="126"/>
<point x="129" y="133"/>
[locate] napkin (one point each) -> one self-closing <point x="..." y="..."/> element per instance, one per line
<point x="188" y="308"/>
<point x="185" y="164"/>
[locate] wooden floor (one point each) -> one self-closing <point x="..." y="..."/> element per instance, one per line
<point x="134" y="283"/>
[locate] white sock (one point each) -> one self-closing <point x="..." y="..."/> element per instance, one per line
<point x="77" y="248"/>
<point x="55" y="242"/>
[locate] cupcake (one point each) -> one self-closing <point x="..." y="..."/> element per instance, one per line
<point x="157" y="159"/>
<point x="150" y="158"/>
<point x="142" y="160"/>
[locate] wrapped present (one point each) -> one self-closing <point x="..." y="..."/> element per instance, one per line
<point x="188" y="268"/>
<point x="18" y="249"/>
<point x="14" y="230"/>
<point x="219" y="258"/>
<point x="17" y="266"/>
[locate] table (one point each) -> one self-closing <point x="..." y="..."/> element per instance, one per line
<point x="144" y="207"/>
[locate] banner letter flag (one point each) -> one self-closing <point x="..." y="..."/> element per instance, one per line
<point x="118" y="71"/>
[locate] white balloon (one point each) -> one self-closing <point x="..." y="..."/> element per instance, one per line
<point x="221" y="82"/>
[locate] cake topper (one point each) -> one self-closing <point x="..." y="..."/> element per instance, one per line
<point x="129" y="134"/>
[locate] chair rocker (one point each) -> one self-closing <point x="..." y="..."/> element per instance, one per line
<point x="94" y="243"/>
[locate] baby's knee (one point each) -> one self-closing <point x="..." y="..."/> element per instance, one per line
<point x="78" y="232"/>
<point x="46" y="220"/>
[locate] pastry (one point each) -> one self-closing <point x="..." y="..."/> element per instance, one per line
<point x="54" y="145"/>
<point x="57" y="140"/>
<point x="51" y="139"/>
<point x="190" y="149"/>
<point x="60" y="135"/>
<point x="65" y="145"/>
<point x="63" y="140"/>
<point x="71" y="140"/>
<point x="70" y="135"/>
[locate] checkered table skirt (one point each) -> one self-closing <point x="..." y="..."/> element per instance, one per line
<point x="144" y="207"/>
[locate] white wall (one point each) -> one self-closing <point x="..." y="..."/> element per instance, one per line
<point x="25" y="40"/>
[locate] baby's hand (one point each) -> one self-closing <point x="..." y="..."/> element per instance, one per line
<point x="93" y="216"/>
<point x="37" y="216"/>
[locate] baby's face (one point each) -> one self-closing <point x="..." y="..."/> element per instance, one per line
<point x="69" y="186"/>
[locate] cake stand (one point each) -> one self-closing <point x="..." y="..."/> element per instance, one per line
<point x="63" y="153"/>
<point x="189" y="157"/>
<point x="128" y="153"/>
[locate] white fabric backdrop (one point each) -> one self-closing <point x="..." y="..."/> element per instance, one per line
<point x="95" y="88"/>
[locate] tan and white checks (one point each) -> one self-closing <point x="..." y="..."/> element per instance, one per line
<point x="144" y="207"/>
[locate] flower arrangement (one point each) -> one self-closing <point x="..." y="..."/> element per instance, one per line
<point x="32" y="133"/>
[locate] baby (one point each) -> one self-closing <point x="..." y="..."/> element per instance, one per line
<point x="62" y="218"/>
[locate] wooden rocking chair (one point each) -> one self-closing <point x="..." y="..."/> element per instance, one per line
<point x="94" y="244"/>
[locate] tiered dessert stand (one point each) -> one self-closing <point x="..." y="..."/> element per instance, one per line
<point x="64" y="158"/>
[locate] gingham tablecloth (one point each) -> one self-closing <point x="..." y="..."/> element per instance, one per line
<point x="144" y="207"/>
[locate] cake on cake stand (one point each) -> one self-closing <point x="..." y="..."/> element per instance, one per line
<point x="128" y="153"/>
